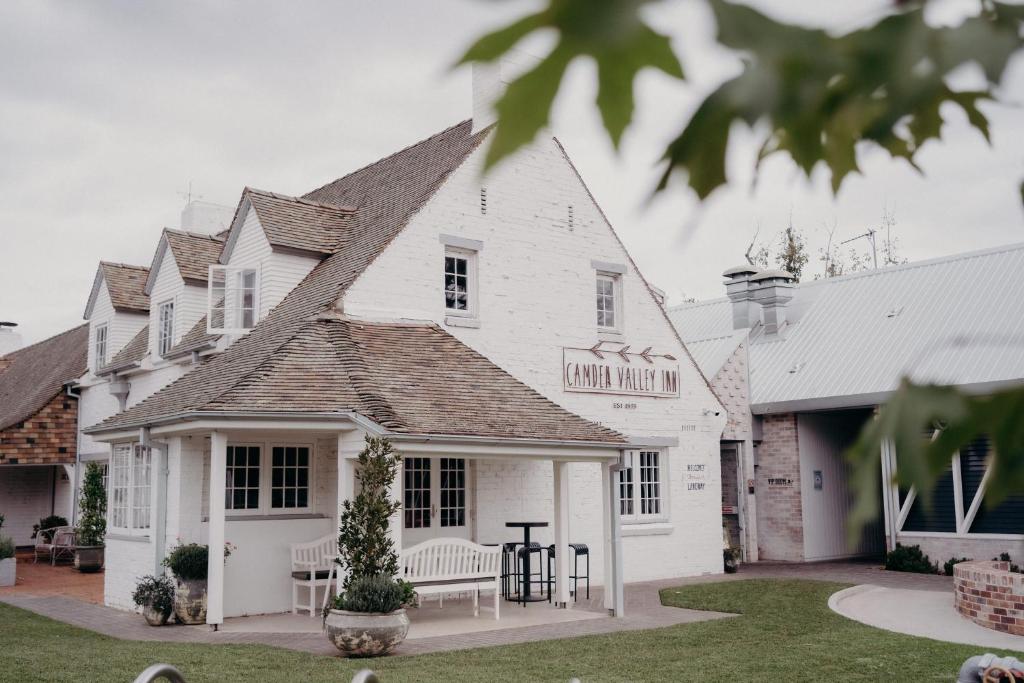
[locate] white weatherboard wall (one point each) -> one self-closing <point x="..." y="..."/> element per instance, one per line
<point x="121" y="327"/>
<point x="27" y="495"/>
<point x="823" y="437"/>
<point x="189" y="301"/>
<point x="279" y="272"/>
<point x="536" y="288"/>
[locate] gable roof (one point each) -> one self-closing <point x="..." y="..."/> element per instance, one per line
<point x="193" y="253"/>
<point x="389" y="192"/>
<point x="957" y="320"/>
<point x="31" y="376"/>
<point x="125" y="285"/>
<point x="130" y="356"/>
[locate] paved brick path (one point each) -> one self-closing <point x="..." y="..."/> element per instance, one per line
<point x="643" y="611"/>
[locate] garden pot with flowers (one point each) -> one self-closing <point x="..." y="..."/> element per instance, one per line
<point x="190" y="563"/>
<point x="155" y="595"/>
<point x="368" y="618"/>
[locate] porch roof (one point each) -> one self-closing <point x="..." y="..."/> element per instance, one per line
<point x="409" y="378"/>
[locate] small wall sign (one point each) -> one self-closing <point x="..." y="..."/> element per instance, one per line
<point x="818" y="480"/>
<point x="780" y="482"/>
<point x="695" y="475"/>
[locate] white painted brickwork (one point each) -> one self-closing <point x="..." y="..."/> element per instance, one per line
<point x="125" y="562"/>
<point x="25" y="498"/>
<point x="941" y="548"/>
<point x="536" y="288"/>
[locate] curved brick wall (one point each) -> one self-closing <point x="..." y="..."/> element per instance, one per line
<point x="989" y="595"/>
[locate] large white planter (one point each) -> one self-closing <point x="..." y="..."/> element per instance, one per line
<point x="360" y="634"/>
<point x="8" y="570"/>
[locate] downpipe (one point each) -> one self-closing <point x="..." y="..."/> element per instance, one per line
<point x="988" y="668"/>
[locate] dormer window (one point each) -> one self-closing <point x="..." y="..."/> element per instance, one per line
<point x="231" y="302"/>
<point x="100" y="345"/>
<point x="165" y="328"/>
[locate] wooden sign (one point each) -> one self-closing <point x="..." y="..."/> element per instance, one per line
<point x="623" y="371"/>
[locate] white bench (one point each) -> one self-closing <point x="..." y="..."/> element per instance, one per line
<point x="313" y="566"/>
<point x="453" y="565"/>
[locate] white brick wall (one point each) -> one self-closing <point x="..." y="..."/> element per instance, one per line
<point x="25" y="498"/>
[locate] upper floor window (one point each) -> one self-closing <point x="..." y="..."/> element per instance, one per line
<point x="231" y="302"/>
<point x="640" y="486"/>
<point x="459" y="282"/>
<point x="100" y="345"/>
<point x="608" y="295"/>
<point x="165" y="328"/>
<point x="129" y="488"/>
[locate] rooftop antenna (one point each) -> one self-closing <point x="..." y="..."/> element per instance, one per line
<point x="870" y="234"/>
<point x="188" y="196"/>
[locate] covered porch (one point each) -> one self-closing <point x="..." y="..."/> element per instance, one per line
<point x="264" y="485"/>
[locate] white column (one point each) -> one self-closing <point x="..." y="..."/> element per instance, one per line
<point x="395" y="523"/>
<point x="607" y="493"/>
<point x="348" y="446"/>
<point x="215" y="574"/>
<point x="619" y="605"/>
<point x="561" y="499"/>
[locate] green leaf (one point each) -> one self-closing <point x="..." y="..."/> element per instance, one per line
<point x="493" y="45"/>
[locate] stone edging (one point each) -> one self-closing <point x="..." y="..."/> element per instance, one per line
<point x="990" y="595"/>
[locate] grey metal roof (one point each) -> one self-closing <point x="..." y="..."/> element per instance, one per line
<point x="711" y="354"/>
<point x="956" y="320"/>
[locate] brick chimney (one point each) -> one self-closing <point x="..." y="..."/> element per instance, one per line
<point x="772" y="289"/>
<point x="738" y="289"/>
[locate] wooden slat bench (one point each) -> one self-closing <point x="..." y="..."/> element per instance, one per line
<point x="453" y="565"/>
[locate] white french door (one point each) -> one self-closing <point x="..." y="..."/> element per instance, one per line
<point x="435" y="501"/>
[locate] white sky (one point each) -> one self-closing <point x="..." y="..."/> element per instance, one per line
<point x="109" y="109"/>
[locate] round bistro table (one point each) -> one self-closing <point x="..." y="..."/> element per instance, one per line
<point x="527" y="596"/>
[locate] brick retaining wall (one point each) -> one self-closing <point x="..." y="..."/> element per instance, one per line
<point x="988" y="594"/>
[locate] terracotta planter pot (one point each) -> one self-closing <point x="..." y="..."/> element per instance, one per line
<point x="190" y="601"/>
<point x="155" y="617"/>
<point x="89" y="558"/>
<point x="8" y="571"/>
<point x="360" y="634"/>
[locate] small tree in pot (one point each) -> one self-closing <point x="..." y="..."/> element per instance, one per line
<point x="92" y="526"/>
<point x="155" y="595"/>
<point x="368" y="618"/>
<point x="8" y="563"/>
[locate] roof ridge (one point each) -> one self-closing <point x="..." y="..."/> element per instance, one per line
<point x="123" y="265"/>
<point x="697" y="304"/>
<point x="43" y="341"/>
<point x="390" y="156"/>
<point x="189" y="233"/>
<point x="301" y="200"/>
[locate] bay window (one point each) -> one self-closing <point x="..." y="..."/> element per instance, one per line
<point x="129" y="485"/>
<point x="641" y="490"/>
<point x="231" y="299"/>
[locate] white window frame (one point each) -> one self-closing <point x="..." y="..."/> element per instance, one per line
<point x="262" y="493"/>
<point x="616" y="281"/>
<point x="633" y="469"/>
<point x="232" y="312"/>
<point x="100" y="341"/>
<point x="125" y="477"/>
<point x="472" y="309"/>
<point x="266" y="466"/>
<point x="164" y="328"/>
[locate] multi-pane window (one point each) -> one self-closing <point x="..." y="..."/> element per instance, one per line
<point x="289" y="478"/>
<point x="417" y="493"/>
<point x="242" y="480"/>
<point x="100" y="345"/>
<point x="231" y="299"/>
<point x="129" y="487"/>
<point x="457" y="281"/>
<point x="606" y="296"/>
<point x="453" y="492"/>
<point x="640" y="486"/>
<point x="165" y="327"/>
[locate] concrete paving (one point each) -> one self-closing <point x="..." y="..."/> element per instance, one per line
<point x="925" y="613"/>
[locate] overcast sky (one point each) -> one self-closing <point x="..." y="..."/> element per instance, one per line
<point x="108" y="110"/>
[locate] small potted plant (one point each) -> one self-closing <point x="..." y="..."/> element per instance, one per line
<point x="190" y="564"/>
<point x="368" y="618"/>
<point x="155" y="595"/>
<point x="8" y="563"/>
<point x="92" y="526"/>
<point x="731" y="557"/>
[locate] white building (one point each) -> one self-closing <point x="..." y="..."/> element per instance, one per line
<point x="493" y="327"/>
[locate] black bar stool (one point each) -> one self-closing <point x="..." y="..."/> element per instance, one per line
<point x="509" y="567"/>
<point x="577" y="550"/>
<point x="518" y="573"/>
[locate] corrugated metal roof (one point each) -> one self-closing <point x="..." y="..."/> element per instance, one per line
<point x="956" y="320"/>
<point x="711" y="354"/>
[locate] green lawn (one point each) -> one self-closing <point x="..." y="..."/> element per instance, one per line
<point x="786" y="633"/>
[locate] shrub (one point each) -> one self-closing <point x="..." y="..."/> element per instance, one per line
<point x="6" y="547"/>
<point x="92" y="527"/>
<point x="909" y="559"/>
<point x="47" y="523"/>
<point x="189" y="562"/>
<point x="157" y="591"/>
<point x="947" y="567"/>
<point x="378" y="594"/>
<point x="1005" y="557"/>
<point x="1" y="521"/>
<point x="365" y="549"/>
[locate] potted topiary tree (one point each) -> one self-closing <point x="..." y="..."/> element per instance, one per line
<point x="155" y="595"/>
<point x="92" y="526"/>
<point x="189" y="564"/>
<point x="368" y="618"/>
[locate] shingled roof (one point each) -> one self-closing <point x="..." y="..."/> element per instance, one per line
<point x="195" y="339"/>
<point x="132" y="353"/>
<point x="300" y="224"/>
<point x="193" y="253"/>
<point x="388" y="193"/>
<point x="125" y="285"/>
<point x="32" y="376"/>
